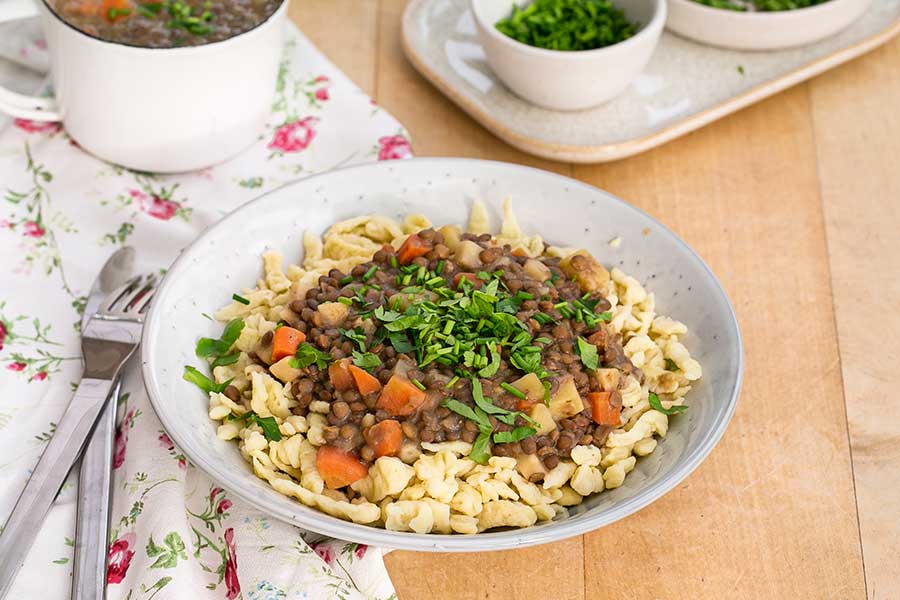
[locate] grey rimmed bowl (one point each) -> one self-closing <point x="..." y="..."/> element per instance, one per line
<point x="226" y="258"/>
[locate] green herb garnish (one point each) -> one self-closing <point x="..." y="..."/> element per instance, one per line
<point x="366" y="360"/>
<point x="588" y="354"/>
<point x="355" y="335"/>
<point x="655" y="404"/>
<point x="240" y="299"/>
<point x="209" y="347"/>
<point x="517" y="434"/>
<point x="268" y="425"/>
<point x="671" y="365"/>
<point x="203" y="382"/>
<point x="512" y="390"/>
<point x="307" y="355"/>
<point x="567" y="25"/>
<point x="114" y="13"/>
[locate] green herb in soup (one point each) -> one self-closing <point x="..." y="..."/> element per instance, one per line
<point x="760" y="5"/>
<point x="568" y="25"/>
<point x="164" y="23"/>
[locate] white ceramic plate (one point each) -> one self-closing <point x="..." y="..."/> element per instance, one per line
<point x="227" y="257"/>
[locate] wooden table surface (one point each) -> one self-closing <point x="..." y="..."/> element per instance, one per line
<point x="795" y="204"/>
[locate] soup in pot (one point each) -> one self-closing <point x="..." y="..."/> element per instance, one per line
<point x="164" y="23"/>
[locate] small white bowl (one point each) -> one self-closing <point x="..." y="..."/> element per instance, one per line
<point x="575" y="80"/>
<point x="762" y="30"/>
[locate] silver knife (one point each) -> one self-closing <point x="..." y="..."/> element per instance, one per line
<point x="95" y="474"/>
<point x="107" y="342"/>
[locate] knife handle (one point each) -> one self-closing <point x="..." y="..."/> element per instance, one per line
<point x="48" y="476"/>
<point x="94" y="493"/>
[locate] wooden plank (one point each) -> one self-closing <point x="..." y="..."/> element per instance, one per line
<point x="772" y="510"/>
<point x="439" y="128"/>
<point x="857" y="131"/>
<point x="344" y="30"/>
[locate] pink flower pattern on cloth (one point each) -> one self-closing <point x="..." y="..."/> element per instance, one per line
<point x="295" y="136"/>
<point x="174" y="533"/>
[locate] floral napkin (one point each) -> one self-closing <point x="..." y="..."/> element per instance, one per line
<point x="175" y="533"/>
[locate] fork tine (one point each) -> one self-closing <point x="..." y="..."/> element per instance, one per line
<point x="143" y="302"/>
<point x="113" y="298"/>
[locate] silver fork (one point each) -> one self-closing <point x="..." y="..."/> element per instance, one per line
<point x="109" y="339"/>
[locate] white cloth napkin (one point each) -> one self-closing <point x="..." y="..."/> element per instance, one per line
<point x="175" y="533"/>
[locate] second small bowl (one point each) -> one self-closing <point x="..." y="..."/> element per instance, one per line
<point x="574" y="80"/>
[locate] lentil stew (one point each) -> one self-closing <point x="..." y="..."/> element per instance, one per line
<point x="164" y="23"/>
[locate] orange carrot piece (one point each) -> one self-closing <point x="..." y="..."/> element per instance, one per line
<point x="338" y="468"/>
<point x="524" y="405"/>
<point x="413" y="247"/>
<point x="476" y="283"/>
<point x="400" y="397"/>
<point x="114" y="10"/>
<point x="285" y="342"/>
<point x="366" y="383"/>
<point x="603" y="410"/>
<point x="339" y="375"/>
<point x="385" y="438"/>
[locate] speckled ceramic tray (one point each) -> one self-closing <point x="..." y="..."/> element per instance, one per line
<point x="685" y="86"/>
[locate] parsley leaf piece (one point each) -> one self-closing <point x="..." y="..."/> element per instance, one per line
<point x="207" y="347"/>
<point x="481" y="449"/>
<point x="483" y="403"/>
<point x="307" y="355"/>
<point x="203" y="382"/>
<point x="226" y="359"/>
<point x="466" y="411"/>
<point x="655" y="404"/>
<point x="400" y="342"/>
<point x="355" y="335"/>
<point x="492" y="366"/>
<point x="517" y="434"/>
<point x="588" y="354"/>
<point x="366" y="360"/>
<point x="671" y="365"/>
<point x="269" y="427"/>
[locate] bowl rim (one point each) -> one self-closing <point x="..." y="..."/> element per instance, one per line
<point x="654" y="26"/>
<point x="316" y="521"/>
<point x="762" y="17"/>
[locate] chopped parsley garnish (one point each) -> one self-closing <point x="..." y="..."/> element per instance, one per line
<point x="307" y="355"/>
<point x="240" y="299"/>
<point x="588" y="354"/>
<point x="355" y="335"/>
<point x="114" y="13"/>
<point x="203" y="382"/>
<point x="366" y="360"/>
<point x="516" y="435"/>
<point x="655" y="404"/>
<point x="512" y="390"/>
<point x="671" y="365"/>
<point x="268" y="425"/>
<point x="212" y="348"/>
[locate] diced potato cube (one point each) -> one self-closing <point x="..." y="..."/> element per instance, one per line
<point x="451" y="235"/>
<point x="542" y="416"/>
<point x="332" y="314"/>
<point x="536" y="269"/>
<point x="585" y="269"/>
<point x="529" y="464"/>
<point x="284" y="371"/>
<point x="608" y="379"/>
<point x="468" y="254"/>
<point x="531" y="386"/>
<point x="566" y="402"/>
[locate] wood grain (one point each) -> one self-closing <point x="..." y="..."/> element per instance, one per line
<point x="793" y="203"/>
<point x="776" y="496"/>
<point x="857" y="141"/>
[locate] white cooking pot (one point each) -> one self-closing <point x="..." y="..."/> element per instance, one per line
<point x="154" y="109"/>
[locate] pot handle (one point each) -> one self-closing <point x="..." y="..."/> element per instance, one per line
<point x="20" y="105"/>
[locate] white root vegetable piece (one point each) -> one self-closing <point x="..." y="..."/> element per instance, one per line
<point x="529" y="464"/>
<point x="284" y="371"/>
<point x="332" y="314"/>
<point x="451" y="235"/>
<point x="584" y="268"/>
<point x="566" y="402"/>
<point x="467" y="254"/>
<point x="531" y="386"/>
<point x="536" y="269"/>
<point x="608" y="379"/>
<point x="541" y="415"/>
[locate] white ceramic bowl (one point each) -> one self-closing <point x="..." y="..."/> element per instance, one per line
<point x="568" y="80"/>
<point x="762" y="30"/>
<point x="227" y="257"/>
